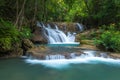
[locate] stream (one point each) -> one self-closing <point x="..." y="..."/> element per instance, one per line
<point x="87" y="66"/>
<point x="80" y="68"/>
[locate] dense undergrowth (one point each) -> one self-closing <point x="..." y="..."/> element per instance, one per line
<point x="23" y="15"/>
<point x="109" y="38"/>
<point x="10" y="35"/>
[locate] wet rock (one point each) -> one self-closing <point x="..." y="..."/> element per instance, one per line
<point x="41" y="55"/>
<point x="16" y="52"/>
<point x="26" y="45"/>
<point x="79" y="53"/>
<point x="38" y="38"/>
<point x="105" y="55"/>
<point x="67" y="56"/>
<point x="66" y="27"/>
<point x="115" y="55"/>
<point x="88" y="47"/>
<point x="35" y="55"/>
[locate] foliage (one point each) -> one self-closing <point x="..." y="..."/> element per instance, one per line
<point x="25" y="33"/>
<point x="109" y="39"/>
<point x="8" y="34"/>
<point x="89" y="12"/>
<point x="76" y="11"/>
<point x="5" y="44"/>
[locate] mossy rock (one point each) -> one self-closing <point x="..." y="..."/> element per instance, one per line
<point x="27" y="44"/>
<point x="88" y="42"/>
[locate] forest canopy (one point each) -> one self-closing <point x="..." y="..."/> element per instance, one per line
<point x="89" y="12"/>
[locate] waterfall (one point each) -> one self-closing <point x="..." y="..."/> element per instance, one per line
<point x="52" y="57"/>
<point x="56" y="36"/>
<point x="63" y="57"/>
<point x="79" y="27"/>
<point x="89" y="57"/>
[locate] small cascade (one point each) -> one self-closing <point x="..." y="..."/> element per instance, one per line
<point x="52" y="57"/>
<point x="56" y="36"/>
<point x="79" y="27"/>
<point x="88" y="57"/>
<point x="89" y="54"/>
<point x="73" y="55"/>
<point x="81" y="55"/>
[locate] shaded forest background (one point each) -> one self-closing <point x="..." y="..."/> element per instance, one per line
<point x="18" y="16"/>
<point x="90" y="12"/>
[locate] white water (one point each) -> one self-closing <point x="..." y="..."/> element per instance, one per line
<point x="51" y="57"/>
<point x="80" y="27"/>
<point x="56" y="36"/>
<point x="61" y="62"/>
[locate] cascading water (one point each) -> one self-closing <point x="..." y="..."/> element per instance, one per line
<point x="79" y="27"/>
<point x="66" y="57"/>
<point x="56" y="36"/>
<point x="89" y="57"/>
<point x="51" y="57"/>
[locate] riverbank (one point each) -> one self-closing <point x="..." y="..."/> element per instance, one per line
<point x="40" y="51"/>
<point x="85" y="38"/>
<point x="17" y="50"/>
<point x="94" y="48"/>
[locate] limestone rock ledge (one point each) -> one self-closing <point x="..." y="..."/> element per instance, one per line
<point x="42" y="52"/>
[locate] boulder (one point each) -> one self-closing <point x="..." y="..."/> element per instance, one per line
<point x="35" y="55"/>
<point x="26" y="45"/>
<point x="38" y="37"/>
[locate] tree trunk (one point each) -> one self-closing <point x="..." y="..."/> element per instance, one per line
<point x="20" y="15"/>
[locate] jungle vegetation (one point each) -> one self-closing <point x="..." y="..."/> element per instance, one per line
<point x="17" y="17"/>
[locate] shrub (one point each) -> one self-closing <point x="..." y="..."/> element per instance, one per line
<point x="5" y="44"/>
<point x="25" y="33"/>
<point x="8" y="35"/>
<point x="109" y="39"/>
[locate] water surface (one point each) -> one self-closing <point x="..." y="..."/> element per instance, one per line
<point x="18" y="69"/>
